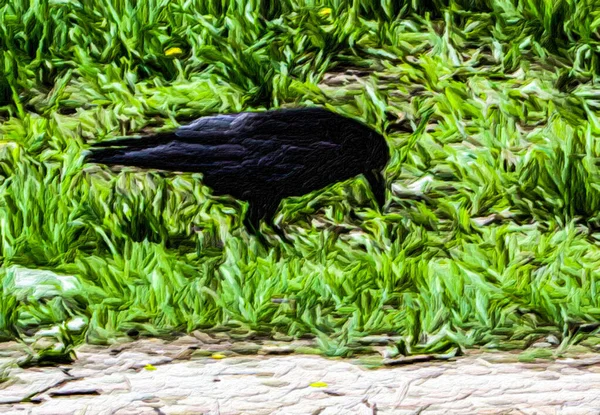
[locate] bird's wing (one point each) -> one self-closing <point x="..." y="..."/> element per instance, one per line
<point x="270" y="145"/>
<point x="310" y="127"/>
<point x="212" y="129"/>
<point x="205" y="141"/>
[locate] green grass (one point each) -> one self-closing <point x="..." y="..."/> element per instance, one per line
<point x="488" y="106"/>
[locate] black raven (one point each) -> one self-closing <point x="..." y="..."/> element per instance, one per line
<point x="260" y="157"/>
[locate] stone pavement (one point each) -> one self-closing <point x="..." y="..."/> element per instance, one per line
<point x="156" y="377"/>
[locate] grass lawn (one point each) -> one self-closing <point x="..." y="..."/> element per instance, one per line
<point x="490" y="107"/>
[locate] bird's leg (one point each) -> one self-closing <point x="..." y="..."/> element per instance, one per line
<point x="252" y="219"/>
<point x="270" y="209"/>
<point x="263" y="210"/>
<point x="377" y="184"/>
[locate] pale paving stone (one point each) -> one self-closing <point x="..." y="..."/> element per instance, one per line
<point x="28" y="382"/>
<point x="281" y="385"/>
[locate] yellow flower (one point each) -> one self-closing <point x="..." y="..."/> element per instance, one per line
<point x="173" y="52"/>
<point x="325" y="12"/>
<point x="318" y="385"/>
<point x="149" y="367"/>
<point x="218" y="356"/>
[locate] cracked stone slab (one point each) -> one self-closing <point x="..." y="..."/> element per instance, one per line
<point x="28" y="383"/>
<point x="116" y="380"/>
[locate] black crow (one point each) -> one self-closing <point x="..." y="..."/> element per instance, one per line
<point x="261" y="157"/>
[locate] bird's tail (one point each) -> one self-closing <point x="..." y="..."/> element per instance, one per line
<point x="113" y="151"/>
<point x="106" y="156"/>
<point x="119" y="142"/>
<point x="136" y="142"/>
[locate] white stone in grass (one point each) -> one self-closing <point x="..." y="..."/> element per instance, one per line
<point x="541" y="345"/>
<point x="53" y="331"/>
<point x="76" y="325"/>
<point x="416" y="189"/>
<point x="534" y="88"/>
<point x="26" y="283"/>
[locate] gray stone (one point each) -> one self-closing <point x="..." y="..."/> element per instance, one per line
<point x="245" y="348"/>
<point x="541" y="345"/>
